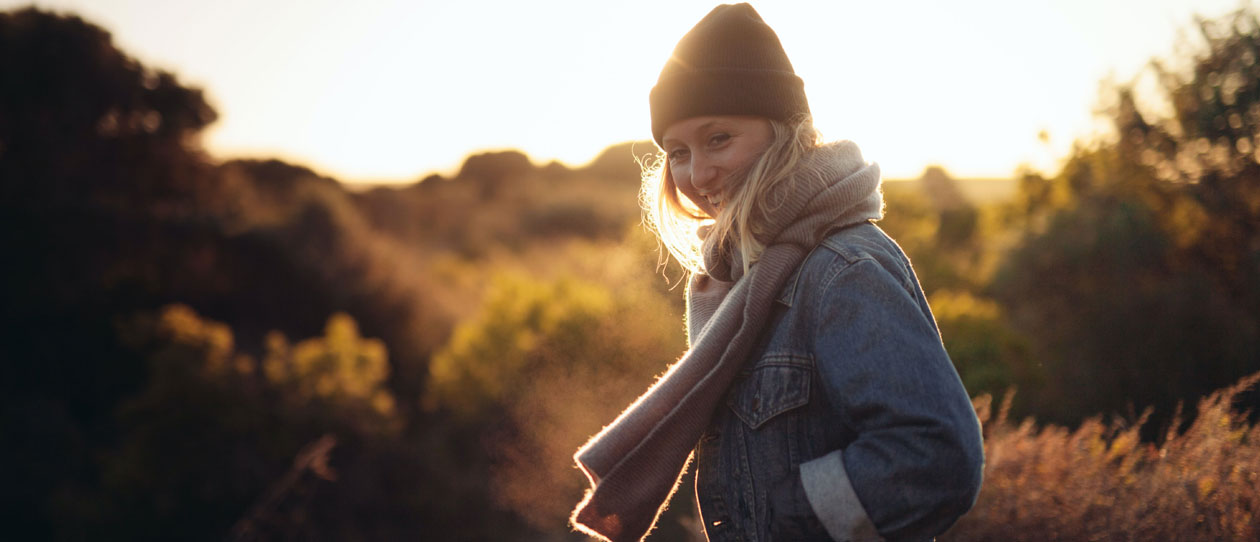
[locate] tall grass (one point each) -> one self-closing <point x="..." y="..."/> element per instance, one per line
<point x="1102" y="482"/>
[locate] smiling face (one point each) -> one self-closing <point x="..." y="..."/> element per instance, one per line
<point x="705" y="154"/>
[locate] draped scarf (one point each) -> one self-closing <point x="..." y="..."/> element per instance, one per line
<point x="635" y="462"/>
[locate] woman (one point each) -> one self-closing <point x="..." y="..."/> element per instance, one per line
<point x="816" y="395"/>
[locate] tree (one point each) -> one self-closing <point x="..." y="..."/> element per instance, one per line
<point x="1139" y="275"/>
<point x="76" y="109"/>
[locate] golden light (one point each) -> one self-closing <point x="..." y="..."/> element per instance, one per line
<point x="389" y="91"/>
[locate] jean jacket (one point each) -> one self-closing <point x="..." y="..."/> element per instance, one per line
<point x="849" y="421"/>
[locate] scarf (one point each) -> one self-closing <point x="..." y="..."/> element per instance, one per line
<point x="634" y="463"/>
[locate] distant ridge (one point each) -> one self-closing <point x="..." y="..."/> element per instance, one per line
<point x="946" y="192"/>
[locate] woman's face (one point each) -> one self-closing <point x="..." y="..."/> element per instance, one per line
<point x="706" y="154"/>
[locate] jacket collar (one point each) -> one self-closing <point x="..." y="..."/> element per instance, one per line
<point x="788" y="294"/>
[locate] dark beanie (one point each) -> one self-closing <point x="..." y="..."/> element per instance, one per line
<point x="730" y="63"/>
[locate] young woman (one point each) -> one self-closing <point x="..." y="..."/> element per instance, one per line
<point x="816" y="397"/>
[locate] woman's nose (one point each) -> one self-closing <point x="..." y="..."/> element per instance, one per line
<point x="704" y="174"/>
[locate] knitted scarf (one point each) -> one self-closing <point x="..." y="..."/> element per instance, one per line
<point x="634" y="464"/>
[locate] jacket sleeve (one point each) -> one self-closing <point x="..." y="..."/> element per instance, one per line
<point x="915" y="465"/>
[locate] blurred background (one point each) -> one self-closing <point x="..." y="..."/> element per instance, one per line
<point x="304" y="271"/>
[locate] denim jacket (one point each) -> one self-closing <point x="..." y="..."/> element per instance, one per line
<point x="849" y="421"/>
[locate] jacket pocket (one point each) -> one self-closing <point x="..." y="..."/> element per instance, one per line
<point x="776" y="384"/>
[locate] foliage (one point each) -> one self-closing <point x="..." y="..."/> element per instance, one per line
<point x="501" y="200"/>
<point x="340" y="367"/>
<point x="107" y="217"/>
<point x="208" y="432"/>
<point x="1103" y="482"/>
<point x="1116" y="319"/>
<point x="523" y="326"/>
<point x="1137" y="277"/>
<point x="133" y="119"/>
<point x="545" y="362"/>
<point x="989" y="355"/>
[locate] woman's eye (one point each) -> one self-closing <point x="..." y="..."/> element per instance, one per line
<point x="719" y="138"/>
<point x="676" y="154"/>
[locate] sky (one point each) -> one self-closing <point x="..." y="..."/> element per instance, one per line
<point x="390" y="91"/>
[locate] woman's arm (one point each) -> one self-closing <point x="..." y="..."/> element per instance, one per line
<point x="915" y="465"/>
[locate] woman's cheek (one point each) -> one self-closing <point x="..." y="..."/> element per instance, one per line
<point x="681" y="175"/>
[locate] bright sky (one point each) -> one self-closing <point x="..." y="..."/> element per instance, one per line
<point x="381" y="91"/>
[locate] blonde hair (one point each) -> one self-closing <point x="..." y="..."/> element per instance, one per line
<point x="676" y="220"/>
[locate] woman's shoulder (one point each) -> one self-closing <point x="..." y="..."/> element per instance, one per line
<point x="864" y="241"/>
<point x="861" y="242"/>
<point x="861" y="248"/>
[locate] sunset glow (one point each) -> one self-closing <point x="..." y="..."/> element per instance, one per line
<point x="390" y="91"/>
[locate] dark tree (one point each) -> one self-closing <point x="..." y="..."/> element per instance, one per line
<point x="1139" y="277"/>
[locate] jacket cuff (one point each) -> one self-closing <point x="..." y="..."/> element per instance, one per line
<point x="831" y="495"/>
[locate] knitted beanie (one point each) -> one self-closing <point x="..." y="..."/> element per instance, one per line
<point x="730" y="63"/>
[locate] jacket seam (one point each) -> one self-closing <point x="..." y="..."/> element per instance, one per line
<point x="816" y="329"/>
<point x="826" y="289"/>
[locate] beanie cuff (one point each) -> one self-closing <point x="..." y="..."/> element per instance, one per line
<point x="774" y="94"/>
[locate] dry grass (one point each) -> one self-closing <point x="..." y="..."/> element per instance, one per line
<point x="1101" y="482"/>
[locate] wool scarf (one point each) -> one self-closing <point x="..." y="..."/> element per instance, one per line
<point x="634" y="463"/>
